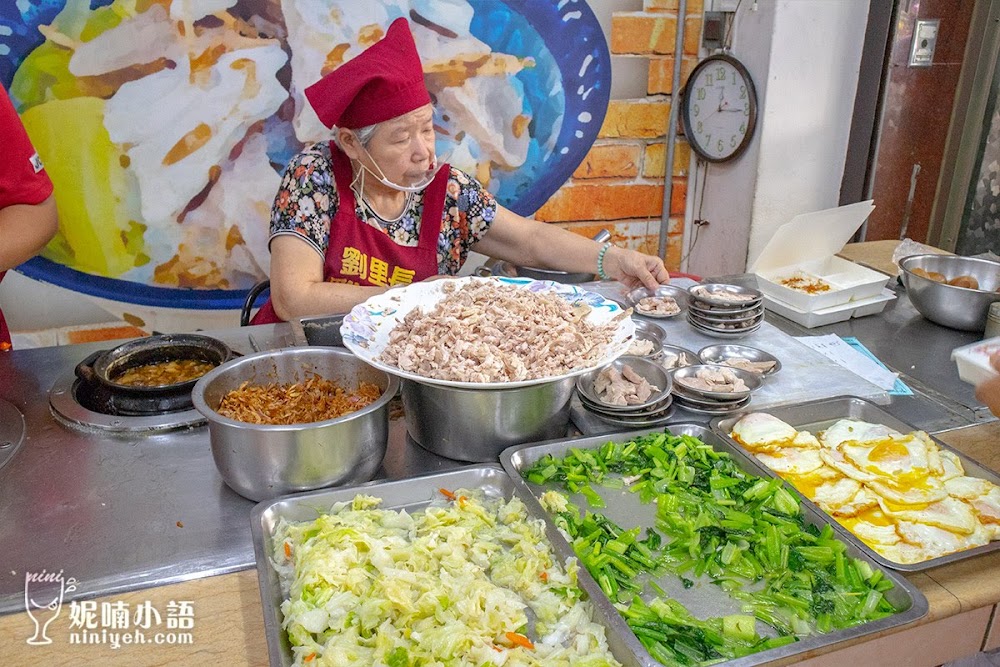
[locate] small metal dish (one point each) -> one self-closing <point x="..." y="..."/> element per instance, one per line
<point x="640" y="293"/>
<point x="751" y="380"/>
<point x="688" y="396"/>
<point x="703" y="308"/>
<point x="712" y="411"/>
<point x="649" y="330"/>
<point x="710" y="293"/>
<point x="728" y="334"/>
<point x="673" y="357"/>
<point x="746" y="316"/>
<point x="660" y="419"/>
<point x="645" y="412"/>
<point x="655" y="374"/>
<point x="718" y="354"/>
<point x="728" y="327"/>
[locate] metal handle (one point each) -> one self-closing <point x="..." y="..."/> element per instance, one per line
<point x="85" y="369"/>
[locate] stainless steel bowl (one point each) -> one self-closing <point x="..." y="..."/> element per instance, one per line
<point x="263" y="461"/>
<point x="718" y="354"/>
<point x="948" y="305"/>
<point x="649" y="330"/>
<point x="478" y="424"/>
<point x="654" y="373"/>
<point x="713" y="294"/>
<point x="676" y="293"/>
<point x="751" y="380"/>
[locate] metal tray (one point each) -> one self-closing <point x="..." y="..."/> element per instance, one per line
<point x="815" y="416"/>
<point x="703" y="599"/>
<point x="411" y="495"/>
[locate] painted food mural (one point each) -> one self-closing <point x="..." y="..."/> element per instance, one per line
<point x="166" y="124"/>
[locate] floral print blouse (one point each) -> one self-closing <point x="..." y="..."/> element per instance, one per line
<point x="307" y="202"/>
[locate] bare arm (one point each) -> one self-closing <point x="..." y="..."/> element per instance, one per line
<point x="531" y="243"/>
<point x="25" y="229"/>
<point x="297" y="285"/>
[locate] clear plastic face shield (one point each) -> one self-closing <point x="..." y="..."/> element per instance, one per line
<point x="423" y="181"/>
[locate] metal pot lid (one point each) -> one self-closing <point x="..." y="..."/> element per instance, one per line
<point x="12" y="431"/>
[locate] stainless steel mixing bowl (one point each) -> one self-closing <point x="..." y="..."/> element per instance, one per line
<point x="263" y="461"/>
<point x="948" y="305"/>
<point x="478" y="424"/>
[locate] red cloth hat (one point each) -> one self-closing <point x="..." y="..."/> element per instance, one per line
<point x="385" y="81"/>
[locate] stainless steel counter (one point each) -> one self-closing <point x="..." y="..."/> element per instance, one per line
<point x="120" y="512"/>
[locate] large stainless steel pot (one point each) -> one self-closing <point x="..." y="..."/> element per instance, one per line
<point x="478" y="424"/>
<point x="259" y="461"/>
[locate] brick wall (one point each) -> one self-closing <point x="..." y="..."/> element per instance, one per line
<point x="619" y="185"/>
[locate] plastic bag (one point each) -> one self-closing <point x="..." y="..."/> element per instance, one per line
<point x="909" y="247"/>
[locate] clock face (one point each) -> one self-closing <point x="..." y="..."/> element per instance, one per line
<point x="719" y="108"/>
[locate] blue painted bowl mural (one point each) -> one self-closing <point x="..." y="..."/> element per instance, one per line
<point x="165" y="126"/>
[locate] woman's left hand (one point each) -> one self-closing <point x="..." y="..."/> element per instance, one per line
<point x="635" y="269"/>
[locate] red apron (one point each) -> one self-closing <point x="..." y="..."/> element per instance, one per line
<point x="360" y="254"/>
<point x="4" y="333"/>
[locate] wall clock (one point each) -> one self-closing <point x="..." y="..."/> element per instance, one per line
<point x="719" y="108"/>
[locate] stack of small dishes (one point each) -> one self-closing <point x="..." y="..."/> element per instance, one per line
<point x="664" y="302"/>
<point x="742" y="357"/>
<point x="693" y="393"/>
<point x="653" y="410"/>
<point x="648" y="341"/>
<point x="725" y="311"/>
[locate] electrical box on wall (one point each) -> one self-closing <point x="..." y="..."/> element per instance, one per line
<point x="925" y="34"/>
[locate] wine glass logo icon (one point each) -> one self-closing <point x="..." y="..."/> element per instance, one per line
<point x="43" y="597"/>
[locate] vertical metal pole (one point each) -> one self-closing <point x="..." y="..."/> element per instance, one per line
<point x="668" y="166"/>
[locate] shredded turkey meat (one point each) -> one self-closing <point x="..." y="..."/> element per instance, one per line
<point x="623" y="388"/>
<point x="489" y="332"/>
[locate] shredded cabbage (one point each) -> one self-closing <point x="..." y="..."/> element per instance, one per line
<point x="473" y="582"/>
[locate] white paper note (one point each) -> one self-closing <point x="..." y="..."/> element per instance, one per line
<point x="838" y="351"/>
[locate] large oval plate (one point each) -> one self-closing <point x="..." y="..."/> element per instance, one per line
<point x="366" y="329"/>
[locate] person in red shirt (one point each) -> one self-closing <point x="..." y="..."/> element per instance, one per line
<point x="28" y="218"/>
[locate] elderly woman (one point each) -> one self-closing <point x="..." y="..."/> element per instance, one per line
<point x="373" y="209"/>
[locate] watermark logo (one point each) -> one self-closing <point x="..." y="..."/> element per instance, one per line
<point x="43" y="598"/>
<point x="103" y="622"/>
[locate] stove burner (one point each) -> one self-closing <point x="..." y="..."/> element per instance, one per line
<point x="98" y="398"/>
<point x="77" y="403"/>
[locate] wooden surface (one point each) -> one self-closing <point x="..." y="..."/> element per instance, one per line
<point x="878" y="255"/>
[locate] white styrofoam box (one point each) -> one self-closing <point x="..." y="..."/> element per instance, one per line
<point x="848" y="282"/>
<point x="973" y="360"/>
<point x="807" y="246"/>
<point x="838" y="313"/>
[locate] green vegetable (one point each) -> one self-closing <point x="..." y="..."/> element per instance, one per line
<point x="744" y="533"/>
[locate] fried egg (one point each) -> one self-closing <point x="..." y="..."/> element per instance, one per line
<point x="862" y="501"/>
<point x="988" y="506"/>
<point x="873" y="527"/>
<point x="791" y="460"/>
<point x="836" y="460"/>
<point x="967" y="488"/>
<point x="914" y="492"/>
<point x="835" y="493"/>
<point x="902" y="553"/>
<point x="848" y="430"/>
<point x="760" y="431"/>
<point x="951" y="514"/>
<point x="897" y="457"/>
<point x="938" y="541"/>
<point x="951" y="465"/>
